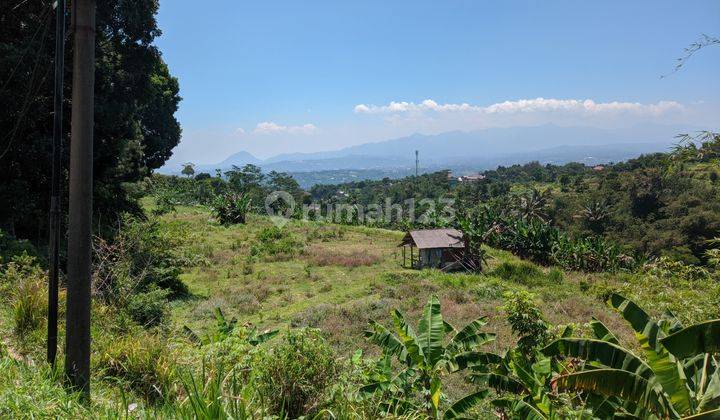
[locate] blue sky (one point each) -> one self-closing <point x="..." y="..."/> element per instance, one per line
<point x="287" y="76"/>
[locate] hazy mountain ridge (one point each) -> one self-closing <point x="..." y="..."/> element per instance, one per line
<point x="481" y="149"/>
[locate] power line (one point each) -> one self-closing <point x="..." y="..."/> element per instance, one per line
<point x="32" y="89"/>
<point x="27" y="48"/>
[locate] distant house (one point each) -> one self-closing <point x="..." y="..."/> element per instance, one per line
<point x="599" y="168"/>
<point x="471" y="178"/>
<point x="437" y="248"/>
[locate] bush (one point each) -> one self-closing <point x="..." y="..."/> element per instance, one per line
<point x="232" y="208"/>
<point x="165" y="202"/>
<point x="11" y="247"/>
<point x="149" y="309"/>
<point x="140" y="362"/>
<point x="526" y="321"/>
<point x="22" y="286"/>
<point x="18" y="269"/>
<point x="274" y="242"/>
<point x="142" y="257"/>
<point x="29" y="306"/>
<point x="293" y="377"/>
<point x="520" y="272"/>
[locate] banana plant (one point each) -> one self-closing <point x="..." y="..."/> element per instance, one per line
<point x="676" y="376"/>
<point x="426" y="358"/>
<point x="224" y="328"/>
<point x="522" y="386"/>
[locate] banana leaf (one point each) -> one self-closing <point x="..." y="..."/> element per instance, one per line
<point x="431" y="331"/>
<point x="695" y="339"/>
<point x="619" y="383"/>
<point x="471" y="336"/>
<point x="603" y="352"/>
<point x="669" y="372"/>
<point x="602" y="332"/>
<point x="465" y="404"/>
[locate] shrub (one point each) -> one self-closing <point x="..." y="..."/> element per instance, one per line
<point x="526" y="321"/>
<point x="165" y="202"/>
<point x="141" y="257"/>
<point x="11" y="247"/>
<point x="293" y="377"/>
<point x="22" y="284"/>
<point x="149" y="308"/>
<point x="140" y="362"/>
<point x="29" y="306"/>
<point x="20" y="268"/>
<point x="232" y="208"/>
<point x="520" y="272"/>
<point x="274" y="242"/>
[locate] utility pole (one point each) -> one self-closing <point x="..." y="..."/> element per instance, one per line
<point x="55" y="188"/>
<point x="417" y="161"/>
<point x="77" y="338"/>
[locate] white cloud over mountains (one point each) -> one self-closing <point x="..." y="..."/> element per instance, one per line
<point x="268" y="127"/>
<point x="538" y="105"/>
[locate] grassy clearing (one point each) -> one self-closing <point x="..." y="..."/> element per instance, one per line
<point x="342" y="276"/>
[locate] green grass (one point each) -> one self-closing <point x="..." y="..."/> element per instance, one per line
<point x="277" y="292"/>
<point x="336" y="280"/>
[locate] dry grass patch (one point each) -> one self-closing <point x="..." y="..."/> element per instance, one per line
<point x="323" y="257"/>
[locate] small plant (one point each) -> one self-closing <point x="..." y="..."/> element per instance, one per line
<point x="166" y="201"/>
<point x="23" y="282"/>
<point x="232" y="208"/>
<point x="29" y="307"/>
<point x="276" y="243"/>
<point x="225" y="328"/>
<point x="292" y="378"/>
<point x="149" y="309"/>
<point x="140" y="362"/>
<point x="526" y="321"/>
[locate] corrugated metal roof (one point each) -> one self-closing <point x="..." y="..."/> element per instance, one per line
<point x="434" y="238"/>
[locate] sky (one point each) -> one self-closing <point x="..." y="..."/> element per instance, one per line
<point x="271" y="77"/>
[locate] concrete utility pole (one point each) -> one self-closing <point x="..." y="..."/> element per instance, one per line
<point x="56" y="173"/>
<point x="79" y="265"/>
<point x="417" y="161"/>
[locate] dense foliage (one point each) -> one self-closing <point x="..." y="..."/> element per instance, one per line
<point x="135" y="101"/>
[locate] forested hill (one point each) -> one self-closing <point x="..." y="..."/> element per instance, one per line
<point x="659" y="204"/>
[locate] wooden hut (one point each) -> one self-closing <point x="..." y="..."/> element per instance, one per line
<point x="436" y="248"/>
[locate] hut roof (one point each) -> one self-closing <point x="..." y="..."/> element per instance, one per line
<point x="434" y="238"/>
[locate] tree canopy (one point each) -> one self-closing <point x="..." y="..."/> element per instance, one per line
<point x="135" y="101"/>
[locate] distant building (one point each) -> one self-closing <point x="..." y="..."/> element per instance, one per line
<point x="471" y="178"/>
<point x="599" y="168"/>
<point x="437" y="248"/>
<point x="453" y="179"/>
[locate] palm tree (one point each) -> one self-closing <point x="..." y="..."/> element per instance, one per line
<point x="532" y="205"/>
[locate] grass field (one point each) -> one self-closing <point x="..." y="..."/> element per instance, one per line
<point x="339" y="277"/>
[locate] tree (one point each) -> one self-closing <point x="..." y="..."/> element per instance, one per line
<point x="135" y="101"/>
<point x="188" y="169"/>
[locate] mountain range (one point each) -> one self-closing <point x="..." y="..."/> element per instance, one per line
<point x="473" y="150"/>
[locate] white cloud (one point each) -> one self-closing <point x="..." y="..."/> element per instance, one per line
<point x="268" y="127"/>
<point x="239" y="131"/>
<point x="575" y="106"/>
